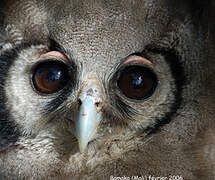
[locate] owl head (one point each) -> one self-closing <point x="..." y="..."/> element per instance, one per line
<point x="85" y="82"/>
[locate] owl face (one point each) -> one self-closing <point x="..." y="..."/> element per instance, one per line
<point x="55" y="91"/>
<point x="86" y="82"/>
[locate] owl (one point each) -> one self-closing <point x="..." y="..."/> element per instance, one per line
<point x="98" y="89"/>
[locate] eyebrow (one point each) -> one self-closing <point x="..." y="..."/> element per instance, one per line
<point x="138" y="59"/>
<point x="55" y="46"/>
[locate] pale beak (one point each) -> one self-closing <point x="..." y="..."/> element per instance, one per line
<point x="89" y="115"/>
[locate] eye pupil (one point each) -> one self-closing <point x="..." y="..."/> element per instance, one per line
<point x="50" y="77"/>
<point x="53" y="76"/>
<point x="137" y="82"/>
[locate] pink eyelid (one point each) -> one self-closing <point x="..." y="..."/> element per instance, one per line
<point x="137" y="59"/>
<point x="55" y="54"/>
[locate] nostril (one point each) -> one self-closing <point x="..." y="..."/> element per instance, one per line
<point x="79" y="102"/>
<point x="98" y="106"/>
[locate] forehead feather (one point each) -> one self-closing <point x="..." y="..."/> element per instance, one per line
<point x="104" y="30"/>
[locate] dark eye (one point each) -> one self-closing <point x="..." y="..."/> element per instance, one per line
<point x="50" y="77"/>
<point x="137" y="82"/>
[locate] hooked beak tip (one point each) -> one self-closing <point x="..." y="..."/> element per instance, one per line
<point x="88" y="117"/>
<point x="87" y="123"/>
